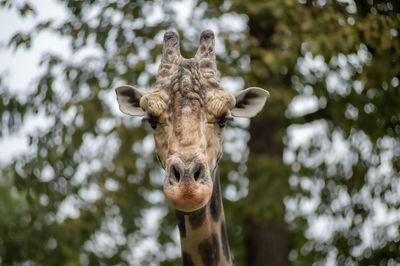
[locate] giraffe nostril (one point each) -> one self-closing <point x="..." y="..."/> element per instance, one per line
<point x="176" y="174"/>
<point x="197" y="174"/>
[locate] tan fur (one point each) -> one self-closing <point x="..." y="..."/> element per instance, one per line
<point x="219" y="103"/>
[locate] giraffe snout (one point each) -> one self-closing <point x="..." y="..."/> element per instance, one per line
<point x="187" y="186"/>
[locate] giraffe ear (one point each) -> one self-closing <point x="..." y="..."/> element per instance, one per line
<point x="249" y="102"/>
<point x="129" y="100"/>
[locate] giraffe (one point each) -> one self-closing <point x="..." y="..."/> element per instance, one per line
<point x="188" y="110"/>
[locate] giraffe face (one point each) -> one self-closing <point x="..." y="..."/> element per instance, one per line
<point x="188" y="121"/>
<point x="188" y="111"/>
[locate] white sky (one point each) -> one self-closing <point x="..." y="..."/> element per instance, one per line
<point x="21" y="66"/>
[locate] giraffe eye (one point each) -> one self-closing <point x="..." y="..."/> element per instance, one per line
<point x="222" y="121"/>
<point x="152" y="122"/>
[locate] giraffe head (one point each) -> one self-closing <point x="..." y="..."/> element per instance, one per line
<point x="188" y="110"/>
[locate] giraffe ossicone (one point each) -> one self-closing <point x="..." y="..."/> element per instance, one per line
<point x="188" y="111"/>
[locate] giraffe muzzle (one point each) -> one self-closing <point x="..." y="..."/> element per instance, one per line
<point x="188" y="187"/>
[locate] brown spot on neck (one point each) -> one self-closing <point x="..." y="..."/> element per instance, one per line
<point x="197" y="218"/>
<point x="209" y="250"/>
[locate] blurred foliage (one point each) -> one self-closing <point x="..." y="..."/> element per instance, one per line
<point x="81" y="193"/>
<point x="343" y="56"/>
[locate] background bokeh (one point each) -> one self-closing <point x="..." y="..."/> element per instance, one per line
<point x="312" y="180"/>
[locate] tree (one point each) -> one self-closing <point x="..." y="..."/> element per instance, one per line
<point x="343" y="57"/>
<point x="340" y="57"/>
<point x="89" y="190"/>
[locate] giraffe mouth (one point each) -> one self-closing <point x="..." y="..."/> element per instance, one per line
<point x="188" y="196"/>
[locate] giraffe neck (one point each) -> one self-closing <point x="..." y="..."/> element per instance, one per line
<point x="203" y="233"/>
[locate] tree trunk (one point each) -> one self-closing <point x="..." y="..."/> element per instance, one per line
<point x="267" y="239"/>
<point x="267" y="244"/>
